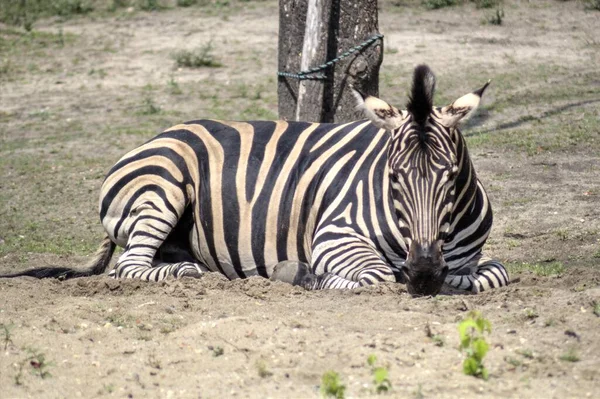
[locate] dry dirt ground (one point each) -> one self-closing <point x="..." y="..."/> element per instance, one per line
<point x="77" y="93"/>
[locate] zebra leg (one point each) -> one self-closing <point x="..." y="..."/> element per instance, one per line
<point x="299" y="273"/>
<point x="291" y="272"/>
<point x="347" y="262"/>
<point x="157" y="270"/>
<point x="480" y="274"/>
<point x="149" y="230"/>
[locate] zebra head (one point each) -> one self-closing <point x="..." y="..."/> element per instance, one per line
<point x="428" y="167"/>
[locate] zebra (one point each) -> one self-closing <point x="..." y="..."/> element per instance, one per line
<point x="393" y="198"/>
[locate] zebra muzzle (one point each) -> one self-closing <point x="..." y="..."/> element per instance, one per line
<point x="425" y="269"/>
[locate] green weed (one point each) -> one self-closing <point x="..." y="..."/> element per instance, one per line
<point x="173" y="87"/>
<point x="217" y="350"/>
<point x="539" y="269"/>
<point x="531" y="314"/>
<point x="186" y="3"/>
<point x="37" y="360"/>
<point x="331" y="385"/>
<point x="200" y="57"/>
<point x="6" y="331"/>
<point x="418" y="393"/>
<point x="437" y="339"/>
<point x="526" y="353"/>
<point x="570" y="356"/>
<point x="381" y="381"/>
<point x="263" y="371"/>
<point x="435" y="4"/>
<point x="592" y="5"/>
<point x="154" y="362"/>
<point x="472" y="342"/>
<point x="596" y="308"/>
<point x="25" y="12"/>
<point x="486" y="3"/>
<point x="149" y="107"/>
<point x="497" y="17"/>
<point x="150" y="5"/>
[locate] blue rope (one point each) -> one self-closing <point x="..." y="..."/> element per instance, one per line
<point x="309" y="74"/>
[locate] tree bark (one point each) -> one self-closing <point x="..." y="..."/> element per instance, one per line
<point x="356" y="21"/>
<point x="313" y="32"/>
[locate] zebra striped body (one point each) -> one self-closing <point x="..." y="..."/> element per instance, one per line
<point x="262" y="192"/>
<point x="394" y="198"/>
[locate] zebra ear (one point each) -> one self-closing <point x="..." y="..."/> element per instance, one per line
<point x="462" y="108"/>
<point x="380" y="113"/>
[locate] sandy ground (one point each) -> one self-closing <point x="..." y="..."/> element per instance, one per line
<point x="68" y="112"/>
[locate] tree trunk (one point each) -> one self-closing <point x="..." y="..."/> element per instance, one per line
<point x="313" y="32"/>
<point x="356" y="21"/>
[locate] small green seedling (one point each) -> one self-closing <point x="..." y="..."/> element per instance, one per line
<point x="332" y="386"/>
<point x="263" y="371"/>
<point x="472" y="342"/>
<point x="39" y="363"/>
<point x="6" y="331"/>
<point x="216" y="350"/>
<point x="437" y="339"/>
<point x="570" y="356"/>
<point x="380" y="375"/>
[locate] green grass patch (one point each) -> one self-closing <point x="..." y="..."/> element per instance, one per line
<point x="592" y="5"/>
<point x="435" y="4"/>
<point x="200" y="57"/>
<point x="539" y="269"/>
<point x="25" y="12"/>
<point x="380" y="374"/>
<point x="331" y="385"/>
<point x="14" y="41"/>
<point x="570" y="356"/>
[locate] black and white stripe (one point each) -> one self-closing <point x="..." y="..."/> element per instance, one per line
<point x="349" y="204"/>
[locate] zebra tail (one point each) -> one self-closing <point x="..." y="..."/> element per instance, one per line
<point x="96" y="266"/>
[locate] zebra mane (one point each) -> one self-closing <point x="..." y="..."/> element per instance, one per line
<point x="421" y="96"/>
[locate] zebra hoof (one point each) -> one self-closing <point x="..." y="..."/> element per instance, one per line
<point x="309" y="282"/>
<point x="189" y="273"/>
<point x="290" y="272"/>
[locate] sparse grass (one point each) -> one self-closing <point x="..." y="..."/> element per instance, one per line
<point x="154" y="362"/>
<point x="496" y="17"/>
<point x="263" y="371"/>
<point x="437" y="339"/>
<point x="485" y="3"/>
<point x="562" y="234"/>
<point x="570" y="356"/>
<point x="531" y="314"/>
<point x="149" y="107"/>
<point x="198" y="58"/>
<point x="119" y="320"/>
<point x="435" y="4"/>
<point x="539" y="269"/>
<point x="331" y="385"/>
<point x="150" y="5"/>
<point x="513" y="362"/>
<point x="380" y="374"/>
<point x="592" y="5"/>
<point x="186" y="3"/>
<point x="526" y="353"/>
<point x="472" y="342"/>
<point x="173" y="87"/>
<point x="25" y="12"/>
<point x="216" y="350"/>
<point x="38" y="362"/>
<point x="7" y="335"/>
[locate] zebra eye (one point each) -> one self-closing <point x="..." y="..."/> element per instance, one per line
<point x="452" y="172"/>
